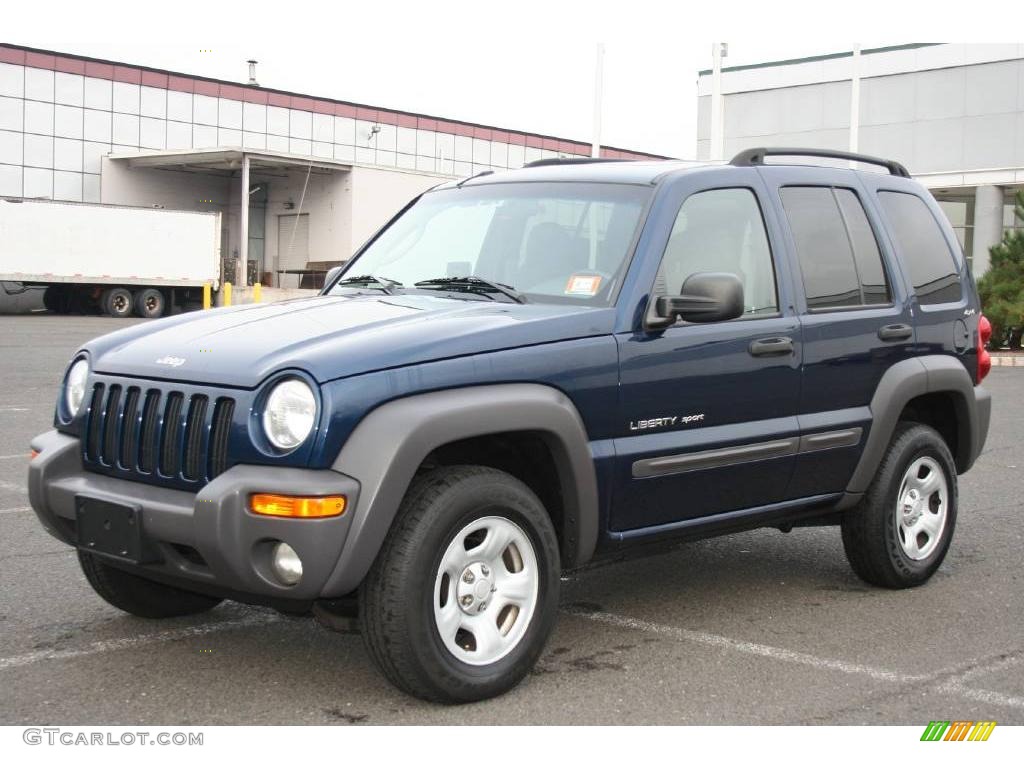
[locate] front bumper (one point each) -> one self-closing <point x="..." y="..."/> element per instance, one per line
<point x="209" y="540"/>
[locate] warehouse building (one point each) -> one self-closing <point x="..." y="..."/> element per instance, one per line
<point x="953" y="114"/>
<point x="301" y="181"/>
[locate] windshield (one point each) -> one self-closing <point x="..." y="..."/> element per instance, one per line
<point x="540" y="242"/>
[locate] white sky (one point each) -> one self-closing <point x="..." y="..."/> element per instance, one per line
<point x="524" y="64"/>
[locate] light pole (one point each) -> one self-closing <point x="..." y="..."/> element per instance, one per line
<point x="718" y="52"/>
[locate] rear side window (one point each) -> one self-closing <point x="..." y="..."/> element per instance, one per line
<point x="839" y="257"/>
<point x="920" y="242"/>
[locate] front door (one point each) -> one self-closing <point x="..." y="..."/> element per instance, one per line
<point x="707" y="412"/>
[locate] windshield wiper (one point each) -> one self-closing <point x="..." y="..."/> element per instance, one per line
<point x="472" y="285"/>
<point x="372" y="281"/>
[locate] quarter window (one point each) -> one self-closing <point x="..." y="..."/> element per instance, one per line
<point x="721" y="230"/>
<point x="929" y="260"/>
<point x="836" y="247"/>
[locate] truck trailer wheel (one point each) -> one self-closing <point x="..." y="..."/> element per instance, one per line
<point x="138" y="596"/>
<point x="149" y="303"/>
<point x="57" y="299"/>
<point x="464" y="592"/>
<point x="117" y="302"/>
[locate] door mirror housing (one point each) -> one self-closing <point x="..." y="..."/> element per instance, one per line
<point x="705" y="297"/>
<point x="331" y="274"/>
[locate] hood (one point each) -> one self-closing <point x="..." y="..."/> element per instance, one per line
<point x="332" y="337"/>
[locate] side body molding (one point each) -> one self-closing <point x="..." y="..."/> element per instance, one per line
<point x="903" y="382"/>
<point x="388" y="446"/>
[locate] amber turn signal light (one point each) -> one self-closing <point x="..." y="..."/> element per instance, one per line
<point x="296" y="506"/>
<point x="32" y="454"/>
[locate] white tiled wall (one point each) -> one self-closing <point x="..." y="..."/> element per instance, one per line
<point x="55" y="127"/>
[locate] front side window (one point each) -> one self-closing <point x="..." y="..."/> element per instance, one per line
<point x="721" y="230"/>
<point x="551" y="242"/>
<point x="919" y="240"/>
<point x="836" y="247"/>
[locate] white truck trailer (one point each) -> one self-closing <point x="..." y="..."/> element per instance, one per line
<point x="115" y="259"/>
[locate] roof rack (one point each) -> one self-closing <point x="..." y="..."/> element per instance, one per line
<point x="757" y="157"/>
<point x="571" y="161"/>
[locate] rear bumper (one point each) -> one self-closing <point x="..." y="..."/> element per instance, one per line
<point x="982" y="416"/>
<point x="209" y="540"/>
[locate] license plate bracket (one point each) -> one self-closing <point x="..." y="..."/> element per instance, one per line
<point x="111" y="529"/>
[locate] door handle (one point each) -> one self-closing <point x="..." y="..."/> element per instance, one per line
<point x="898" y="332"/>
<point x="775" y="346"/>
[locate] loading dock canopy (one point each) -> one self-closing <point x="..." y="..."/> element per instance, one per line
<point x="223" y="159"/>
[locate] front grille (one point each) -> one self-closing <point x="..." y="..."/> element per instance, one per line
<point x="162" y="436"/>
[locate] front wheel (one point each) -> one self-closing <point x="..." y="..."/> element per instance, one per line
<point x="464" y="593"/>
<point x="898" y="535"/>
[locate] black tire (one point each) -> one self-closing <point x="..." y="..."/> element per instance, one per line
<point x="57" y="299"/>
<point x="871" y="536"/>
<point x="138" y="596"/>
<point x="117" y="302"/>
<point x="396" y="599"/>
<point x="150" y="303"/>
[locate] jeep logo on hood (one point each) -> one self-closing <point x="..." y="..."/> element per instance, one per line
<point x="174" y="362"/>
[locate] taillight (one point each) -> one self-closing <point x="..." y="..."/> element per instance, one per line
<point x="984" y="358"/>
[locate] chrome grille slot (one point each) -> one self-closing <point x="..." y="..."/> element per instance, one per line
<point x="219" y="432"/>
<point x="147" y="437"/>
<point x="170" y="456"/>
<point x="129" y="425"/>
<point x="111" y="421"/>
<point x="94" y="428"/>
<point x="195" y="428"/>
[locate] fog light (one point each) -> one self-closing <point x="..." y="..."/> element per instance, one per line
<point x="286" y="564"/>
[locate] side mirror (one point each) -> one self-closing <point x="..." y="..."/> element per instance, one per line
<point x="706" y="297"/>
<point x="331" y="274"/>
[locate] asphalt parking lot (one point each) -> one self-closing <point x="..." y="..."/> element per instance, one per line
<point x="757" y="628"/>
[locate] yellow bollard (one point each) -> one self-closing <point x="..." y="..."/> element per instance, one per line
<point x="257" y="293"/>
<point x="207" y="296"/>
<point x="227" y="295"/>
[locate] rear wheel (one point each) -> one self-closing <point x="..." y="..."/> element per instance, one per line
<point x="149" y="303"/>
<point x="899" y="534"/>
<point x="464" y="593"/>
<point x="138" y="596"/>
<point x="117" y="302"/>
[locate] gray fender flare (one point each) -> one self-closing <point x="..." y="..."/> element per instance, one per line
<point x="386" y="448"/>
<point x="899" y="385"/>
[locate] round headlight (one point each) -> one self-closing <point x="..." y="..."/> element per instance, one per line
<point x="74" y="387"/>
<point x="289" y="414"/>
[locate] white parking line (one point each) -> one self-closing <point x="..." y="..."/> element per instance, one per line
<point x="12" y="510"/>
<point x="940" y="680"/>
<point x="11" y="409"/>
<point x="754" y="649"/>
<point x="128" y="643"/>
<point x="5" y="486"/>
<point x="15" y="456"/>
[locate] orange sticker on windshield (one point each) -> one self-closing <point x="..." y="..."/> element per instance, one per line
<point x="583" y="285"/>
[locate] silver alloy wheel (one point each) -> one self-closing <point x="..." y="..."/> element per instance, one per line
<point x="485" y="592"/>
<point x="119" y="303"/>
<point x="921" y="508"/>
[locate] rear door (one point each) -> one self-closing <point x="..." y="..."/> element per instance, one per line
<point x="854" y="310"/>
<point x="707" y="411"/>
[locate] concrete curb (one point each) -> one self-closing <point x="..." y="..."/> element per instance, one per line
<point x="1008" y="361"/>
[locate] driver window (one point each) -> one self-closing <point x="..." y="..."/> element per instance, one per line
<point x="721" y="230"/>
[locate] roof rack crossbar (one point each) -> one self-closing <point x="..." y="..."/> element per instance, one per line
<point x="757" y="156"/>
<point x="570" y="161"/>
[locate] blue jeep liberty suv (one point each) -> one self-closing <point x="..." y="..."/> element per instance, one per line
<point x="524" y="371"/>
